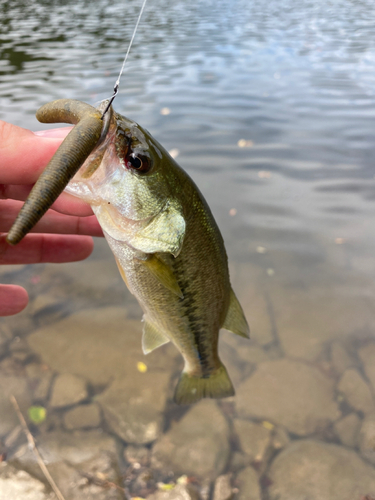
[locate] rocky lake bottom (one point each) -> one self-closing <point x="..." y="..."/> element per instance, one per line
<point x="270" y="107"/>
<point x="301" y="425"/>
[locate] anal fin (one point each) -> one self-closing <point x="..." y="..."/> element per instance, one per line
<point x="235" y="320"/>
<point x="163" y="273"/>
<point x="152" y="337"/>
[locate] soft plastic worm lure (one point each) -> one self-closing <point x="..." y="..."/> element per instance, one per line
<point x="89" y="131"/>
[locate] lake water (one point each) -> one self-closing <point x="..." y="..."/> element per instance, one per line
<point x="271" y="110"/>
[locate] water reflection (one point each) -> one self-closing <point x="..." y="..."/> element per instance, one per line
<point x="296" y="83"/>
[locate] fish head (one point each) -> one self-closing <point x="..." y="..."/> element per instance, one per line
<point x="134" y="187"/>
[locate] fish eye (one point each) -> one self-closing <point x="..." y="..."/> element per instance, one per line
<point x="140" y="162"/>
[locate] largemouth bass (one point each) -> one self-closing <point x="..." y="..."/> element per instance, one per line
<point x="168" y="249"/>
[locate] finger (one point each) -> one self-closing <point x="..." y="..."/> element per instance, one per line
<point x="13" y="299"/>
<point x="52" y="222"/>
<point x="65" y="204"/>
<point x="23" y="154"/>
<point x="54" y="133"/>
<point x="36" y="248"/>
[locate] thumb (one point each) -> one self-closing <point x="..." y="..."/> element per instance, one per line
<point x="24" y="154"/>
<point x="54" y="133"/>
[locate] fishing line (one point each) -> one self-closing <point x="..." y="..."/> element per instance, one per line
<point x="117" y="84"/>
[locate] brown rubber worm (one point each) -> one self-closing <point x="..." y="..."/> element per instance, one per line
<point x="89" y="131"/>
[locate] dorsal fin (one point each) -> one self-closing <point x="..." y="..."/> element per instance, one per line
<point x="235" y="320"/>
<point x="152" y="337"/>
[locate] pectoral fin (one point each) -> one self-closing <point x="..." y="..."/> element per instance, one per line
<point x="152" y="337"/>
<point x="235" y="321"/>
<point x="163" y="273"/>
<point x="164" y="234"/>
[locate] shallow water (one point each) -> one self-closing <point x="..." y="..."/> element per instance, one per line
<point x="272" y="111"/>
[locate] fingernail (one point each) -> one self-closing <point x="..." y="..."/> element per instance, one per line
<point x="54" y="133"/>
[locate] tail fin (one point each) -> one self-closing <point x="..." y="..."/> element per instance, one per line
<point x="191" y="389"/>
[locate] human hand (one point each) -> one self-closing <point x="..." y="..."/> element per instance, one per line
<point x="64" y="233"/>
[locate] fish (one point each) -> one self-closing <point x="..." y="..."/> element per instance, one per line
<point x="167" y="246"/>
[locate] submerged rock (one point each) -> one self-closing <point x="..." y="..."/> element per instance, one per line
<point x="197" y="445"/>
<point x="19" y="485"/>
<point x="280" y="438"/>
<point x="303" y="333"/>
<point x="40" y="377"/>
<point x="133" y="408"/>
<point x="254" y="440"/>
<point x="179" y="492"/>
<point x="356" y="391"/>
<point x="137" y="455"/>
<point x="239" y="356"/>
<point x="44" y="302"/>
<point x="242" y="349"/>
<point x="310" y="469"/>
<point x="248" y="485"/>
<point x="223" y="489"/>
<point x="19" y="388"/>
<point x="5" y="338"/>
<point x="367" y="439"/>
<point x="288" y="393"/>
<point x="340" y="359"/>
<point x="83" y="465"/>
<point x="367" y="355"/>
<point x="98" y="345"/>
<point x="68" y="390"/>
<point x="83" y="416"/>
<point x="347" y="429"/>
